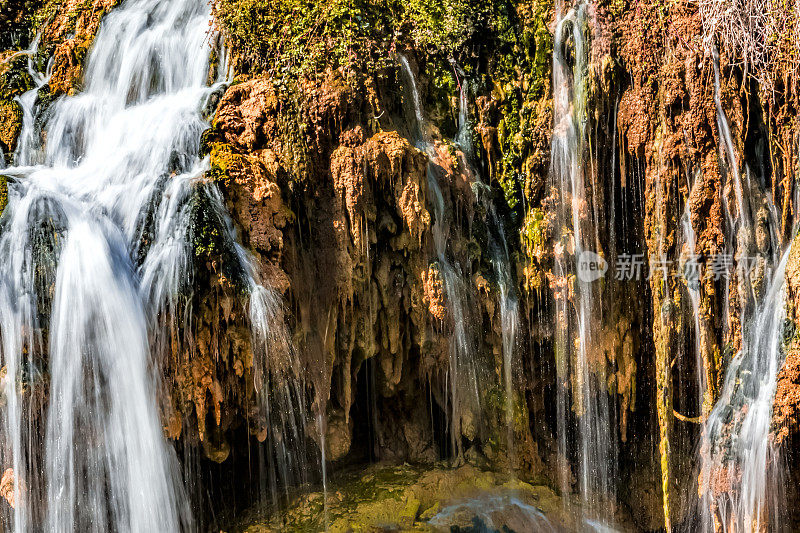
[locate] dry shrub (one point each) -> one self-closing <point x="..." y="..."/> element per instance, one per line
<point x="760" y="36"/>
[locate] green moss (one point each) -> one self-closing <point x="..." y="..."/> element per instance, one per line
<point x="222" y="159"/>
<point x="209" y="238"/>
<point x="21" y="20"/>
<point x="11" y="117"/>
<point x="496" y="402"/>
<point x="43" y="15"/>
<point x="395" y="498"/>
<point x="532" y="233"/>
<point x="205" y="229"/>
<point x="441" y="89"/>
<point x="446" y="26"/>
<point x="292" y="37"/>
<point x="361" y="496"/>
<point x="521" y="80"/>
<point x="15" y="80"/>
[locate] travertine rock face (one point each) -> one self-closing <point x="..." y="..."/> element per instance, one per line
<point x="339" y="220"/>
<point x="346" y="229"/>
<point x="67" y="30"/>
<point x="68" y="37"/>
<point x="7" y="487"/>
<point x="786" y="410"/>
<point x="337" y="209"/>
<point x="14" y="81"/>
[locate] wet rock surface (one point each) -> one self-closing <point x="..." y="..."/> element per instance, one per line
<point x="430" y="498"/>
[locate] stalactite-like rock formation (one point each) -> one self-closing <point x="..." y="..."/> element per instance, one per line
<point x="339" y="216"/>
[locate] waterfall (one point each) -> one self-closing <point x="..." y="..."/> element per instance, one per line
<point x="463" y="378"/>
<point x="96" y="247"/>
<point x="501" y="263"/>
<point x="743" y="216"/>
<point x="509" y="323"/>
<point x="25" y="154"/>
<point x="739" y="482"/>
<point x="740" y="486"/>
<point x="580" y="372"/>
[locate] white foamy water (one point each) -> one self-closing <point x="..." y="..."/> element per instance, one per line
<point x="96" y="245"/>
<point x="491" y="513"/>
<point x="739" y="487"/>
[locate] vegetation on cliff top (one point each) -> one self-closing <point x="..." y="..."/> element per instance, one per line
<point x="504" y="48"/>
<point x="307" y="36"/>
<point x="761" y="37"/>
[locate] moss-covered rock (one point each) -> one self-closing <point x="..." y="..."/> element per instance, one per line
<point x="68" y="32"/>
<point x="14" y="76"/>
<point x="14" y="81"/>
<point x="10" y="126"/>
<point x="291" y="37"/>
<point x="407" y="498"/>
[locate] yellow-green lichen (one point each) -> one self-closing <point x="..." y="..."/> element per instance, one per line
<point x="3" y="193"/>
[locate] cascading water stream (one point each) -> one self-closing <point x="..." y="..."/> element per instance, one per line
<point x="97" y="251"/>
<point x="509" y="318"/>
<point x="692" y="287"/>
<point x="692" y="276"/>
<point x="727" y="148"/>
<point x="727" y="153"/>
<point x="742" y="220"/>
<point x="579" y="370"/>
<point x="463" y="373"/>
<point x="739" y="488"/>
<point x="463" y="358"/>
<point x="739" y="484"/>
<point x="24" y="153"/>
<point x="501" y="263"/>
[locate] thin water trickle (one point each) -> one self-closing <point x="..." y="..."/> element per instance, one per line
<point x="752" y="205"/>
<point x="581" y="380"/>
<point x="85" y="286"/>
<point x="24" y="153"/>
<point x="462" y="376"/>
<point x="501" y="264"/>
<point x="465" y="394"/>
<point x="693" y="278"/>
<point x="729" y="152"/>
<point x="509" y="318"/>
